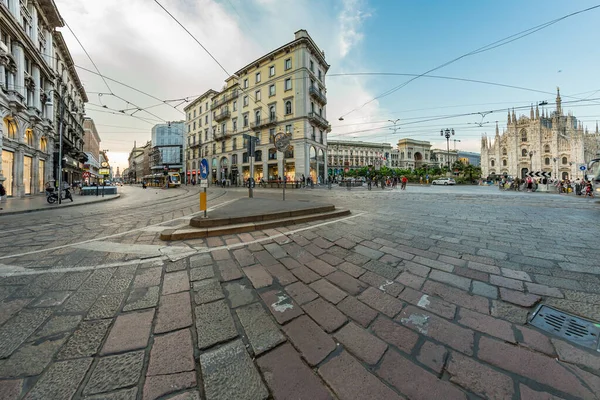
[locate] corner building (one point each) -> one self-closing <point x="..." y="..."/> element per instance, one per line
<point x="282" y="91"/>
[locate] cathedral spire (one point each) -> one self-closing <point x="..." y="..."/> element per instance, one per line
<point x="497" y="131"/>
<point x="531" y="112"/>
<point x="514" y="118"/>
<point x="537" y="112"/>
<point x="597" y="127"/>
<point x="558" y="102"/>
<point x="508" y="123"/>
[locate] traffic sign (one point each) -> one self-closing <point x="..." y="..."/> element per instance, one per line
<point x="204" y="168"/>
<point x="582" y="167"/>
<point x="203" y="183"/>
<point x="104" y="171"/>
<point x="538" y="174"/>
<point x="86" y="174"/>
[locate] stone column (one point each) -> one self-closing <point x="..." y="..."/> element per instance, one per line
<point x="19" y="84"/>
<point x="20" y="188"/>
<point x="38" y="86"/>
<point x="306" y="159"/>
<point x="280" y="164"/>
<point x="2" y="178"/>
<point x="35" y="175"/>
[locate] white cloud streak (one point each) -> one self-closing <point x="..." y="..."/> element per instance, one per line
<point x="351" y="19"/>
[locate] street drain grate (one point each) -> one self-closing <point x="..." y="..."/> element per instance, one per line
<point x="567" y="326"/>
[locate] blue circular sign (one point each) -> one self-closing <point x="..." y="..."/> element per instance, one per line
<point x="582" y="167"/>
<point x="204" y="168"/>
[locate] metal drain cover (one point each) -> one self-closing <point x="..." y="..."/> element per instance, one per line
<point x="578" y="330"/>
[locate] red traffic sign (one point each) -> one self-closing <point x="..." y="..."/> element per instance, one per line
<point x="86" y="174"/>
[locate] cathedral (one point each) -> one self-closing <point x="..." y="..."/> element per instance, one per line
<point x="543" y="142"/>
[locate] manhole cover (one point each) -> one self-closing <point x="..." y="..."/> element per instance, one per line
<point x="567" y="326"/>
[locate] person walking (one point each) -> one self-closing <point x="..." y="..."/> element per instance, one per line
<point x="404" y="182"/>
<point x="2" y="194"/>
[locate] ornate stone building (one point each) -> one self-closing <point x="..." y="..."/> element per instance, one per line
<point x="543" y="142"/>
<point x="345" y="155"/>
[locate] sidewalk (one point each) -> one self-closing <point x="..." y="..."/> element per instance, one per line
<point x="38" y="203"/>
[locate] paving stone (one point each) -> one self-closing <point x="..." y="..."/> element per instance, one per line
<point x="534" y="340"/>
<point x="309" y="339"/>
<point x="582" y="297"/>
<point x="265" y="258"/>
<point x="574" y="355"/>
<point x="157" y="386"/>
<point x="9" y="308"/>
<point x="413" y="381"/>
<point x="244" y="257"/>
<point x="520" y="275"/>
<point x="130" y="332"/>
<point x="11" y="390"/>
<point x="484" y="323"/>
<point x="380" y="301"/>
<point x="437" y="328"/>
<point x="301" y="293"/>
<point x="438" y="265"/>
<point x="433" y="304"/>
<point x="416" y="269"/>
<point x="485" y="290"/>
<point x="61" y="380"/>
<point x="125" y="394"/>
<point x="106" y="306"/>
<point x="118" y="284"/>
<point x="508" y="312"/>
<point x="361" y="343"/>
<point x="85" y="341"/>
<point x="98" y="280"/>
<point x="519" y="298"/>
<point x="142" y="298"/>
<point x="357" y="259"/>
<point x="214" y="324"/>
<point x="457" y="296"/>
<point x="543" y="290"/>
<point x="14" y="332"/>
<point x="497" y="255"/>
<point x="586" y="310"/>
<point x="175" y="282"/>
<point x="80" y="302"/>
<point x="331" y="259"/>
<point x="276" y="250"/>
<point x="290" y="263"/>
<point x="529" y="394"/>
<point x="174" y="312"/>
<point x="71" y="281"/>
<point x="351" y="269"/>
<point x="345" y="243"/>
<point x="282" y="274"/>
<point x="479" y="378"/>
<point x="200" y="260"/>
<point x="385" y="270"/>
<point x="346" y="282"/>
<point x="358" y="311"/>
<point x="31" y="358"/>
<point x="148" y="277"/>
<point x="328" y="291"/>
<point x="554" y="281"/>
<point x="395" y="334"/>
<point x="115" y="372"/>
<point x="234" y="359"/>
<point x="538" y="262"/>
<point x="528" y="364"/>
<point x="51" y="299"/>
<point x="58" y="324"/>
<point x="490" y="269"/>
<point x="433" y="355"/>
<point x="262" y="333"/>
<point x="472" y="274"/>
<point x="451" y="279"/>
<point x="325" y="314"/>
<point x="453" y="260"/>
<point x="229" y="271"/>
<point x="281" y="305"/>
<point x="320" y="267"/>
<point x="259" y="276"/>
<point x="200" y="273"/>
<point x="288" y="377"/>
<point x="410" y="280"/>
<point x="239" y="293"/>
<point x="219" y="254"/>
<point x="350" y="380"/>
<point x="368" y="252"/>
<point x="178" y="265"/>
<point x="385" y="285"/>
<point x="207" y="290"/>
<point x="171" y="353"/>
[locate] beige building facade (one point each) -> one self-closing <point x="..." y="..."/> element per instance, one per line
<point x="345" y="155"/>
<point x="282" y="91"/>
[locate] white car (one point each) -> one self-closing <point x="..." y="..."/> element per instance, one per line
<point x="443" y="181"/>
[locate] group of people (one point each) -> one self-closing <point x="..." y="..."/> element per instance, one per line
<point x="580" y="187"/>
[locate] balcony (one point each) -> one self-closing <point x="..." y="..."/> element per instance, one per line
<point x="223" y="115"/>
<point x="264" y="123"/>
<point x="316" y="94"/>
<point x="217" y="135"/>
<point x="320" y="121"/>
<point x="224" y="99"/>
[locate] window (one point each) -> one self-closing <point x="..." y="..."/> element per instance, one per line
<point x="312" y="107"/>
<point x="189" y="128"/>
<point x="547" y="148"/>
<point x="223" y="128"/>
<point x="246" y="83"/>
<point x="257" y="95"/>
<point x="234" y="147"/>
<point x="43" y="145"/>
<point x="272" y="90"/>
<point x="194" y="113"/>
<point x="288" y="64"/>
<point x="194" y="125"/>
<point x="223" y="146"/>
<point x="321" y="136"/>
<point x="200" y="109"/>
<point x="235" y="105"/>
<point x="245" y="120"/>
<point x="29" y="137"/>
<point x="523" y="135"/>
<point x="258" y="155"/>
<point x="288" y="129"/>
<point x="257" y="77"/>
<point x="272" y="115"/>
<point x="524" y="152"/>
<point x="214" y="149"/>
<point x="504" y="163"/>
<point x="272" y="70"/>
<point x="257" y="117"/>
<point x="504" y="151"/>
<point x="206" y="107"/>
<point x="272" y="135"/>
<point x="288" y="107"/>
<point x="206" y="135"/>
<point x="564" y="160"/>
<point x="257" y="136"/>
<point x="319" y="75"/>
<point x="313" y="134"/>
<point x="245" y="101"/>
<point x="288" y="84"/>
<point x="320" y="112"/>
<point x="214" y="114"/>
<point x="206" y="119"/>
<point x="312" y="66"/>
<point x="492" y="163"/>
<point x="272" y="154"/>
<point x="547" y="161"/>
<point x="234" y="122"/>
<point x="189" y="115"/>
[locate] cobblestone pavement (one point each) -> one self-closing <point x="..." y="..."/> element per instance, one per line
<point x="422" y="294"/>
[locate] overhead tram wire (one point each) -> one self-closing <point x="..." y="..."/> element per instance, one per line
<point x="487" y="47"/>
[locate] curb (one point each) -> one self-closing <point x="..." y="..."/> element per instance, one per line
<point x="73" y="204"/>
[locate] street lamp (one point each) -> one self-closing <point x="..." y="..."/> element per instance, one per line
<point x="531" y="160"/>
<point x="555" y="170"/>
<point x="447" y="133"/>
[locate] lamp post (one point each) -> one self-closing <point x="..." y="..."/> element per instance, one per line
<point x="531" y="160"/>
<point x="60" y="140"/>
<point x="447" y="133"/>
<point x="555" y="170"/>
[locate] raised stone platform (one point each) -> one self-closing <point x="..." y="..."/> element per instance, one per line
<point x="247" y="215"/>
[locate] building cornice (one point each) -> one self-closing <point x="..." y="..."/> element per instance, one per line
<point x="201" y="97"/>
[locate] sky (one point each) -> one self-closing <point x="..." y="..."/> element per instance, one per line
<point x="136" y="43"/>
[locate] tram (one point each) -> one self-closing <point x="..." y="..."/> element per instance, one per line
<point x="160" y="180"/>
<point x="593" y="175"/>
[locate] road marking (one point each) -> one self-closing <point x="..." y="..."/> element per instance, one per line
<point x="113" y="235"/>
<point x="131" y="248"/>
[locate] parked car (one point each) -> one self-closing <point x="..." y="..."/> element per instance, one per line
<point x="443" y="181"/>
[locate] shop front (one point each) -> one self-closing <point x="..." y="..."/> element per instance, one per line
<point x="8" y="168"/>
<point x="27" y="174"/>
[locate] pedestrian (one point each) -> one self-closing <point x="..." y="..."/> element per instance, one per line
<point x="2" y="194"/>
<point x="404" y="181"/>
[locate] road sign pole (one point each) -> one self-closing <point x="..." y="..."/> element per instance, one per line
<point x="284" y="176"/>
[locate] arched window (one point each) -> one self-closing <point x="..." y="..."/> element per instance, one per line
<point x="504" y="151"/>
<point x="10" y="128"/>
<point x="523" y="135"/>
<point x="257" y="116"/>
<point x="504" y="163"/>
<point x="272" y="113"/>
<point x="288" y="107"/>
<point x="547" y="148"/>
<point x="492" y="163"/>
<point x="29" y="137"/>
<point x="547" y="161"/>
<point x="564" y="160"/>
<point x="524" y="152"/>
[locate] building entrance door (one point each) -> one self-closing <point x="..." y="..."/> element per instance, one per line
<point x="8" y="165"/>
<point x="27" y="174"/>
<point x="524" y="172"/>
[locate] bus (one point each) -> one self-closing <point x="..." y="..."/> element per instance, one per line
<point x="159" y="180"/>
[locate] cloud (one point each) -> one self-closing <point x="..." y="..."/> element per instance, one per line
<point x="351" y="19"/>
